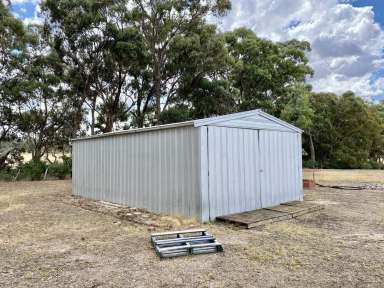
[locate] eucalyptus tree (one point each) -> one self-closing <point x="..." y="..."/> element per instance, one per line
<point x="324" y="132"/>
<point x="101" y="51"/>
<point x="12" y="50"/>
<point x="376" y="116"/>
<point x="264" y="71"/>
<point x="43" y="107"/>
<point x="162" y="23"/>
<point x="299" y="112"/>
<point x="358" y="129"/>
<point x="12" y="55"/>
<point x="199" y="65"/>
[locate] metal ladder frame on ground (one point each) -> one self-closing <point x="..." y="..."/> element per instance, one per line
<point x="183" y="243"/>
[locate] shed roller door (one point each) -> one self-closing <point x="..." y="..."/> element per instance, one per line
<point x="233" y="162"/>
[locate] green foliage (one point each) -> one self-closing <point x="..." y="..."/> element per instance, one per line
<point x="212" y="97"/>
<point x="310" y="164"/>
<point x="355" y="131"/>
<point x="33" y="170"/>
<point x="109" y="65"/>
<point x="323" y="131"/>
<point x="59" y="170"/>
<point x="347" y="131"/>
<point x="372" y="164"/>
<point x="10" y="153"/>
<point x="264" y="71"/>
<point x="336" y="164"/>
<point x="298" y="110"/>
<point x="177" y="113"/>
<point x="68" y="163"/>
<point x="7" y="174"/>
<point x="13" y="42"/>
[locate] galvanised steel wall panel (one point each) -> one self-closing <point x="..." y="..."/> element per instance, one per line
<point x="252" y="169"/>
<point x="204" y="173"/>
<point x="234" y="176"/>
<point x="281" y="177"/>
<point x="158" y="170"/>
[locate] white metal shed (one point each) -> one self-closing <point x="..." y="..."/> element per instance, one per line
<point x="203" y="168"/>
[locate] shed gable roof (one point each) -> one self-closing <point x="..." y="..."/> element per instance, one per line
<point x="254" y="119"/>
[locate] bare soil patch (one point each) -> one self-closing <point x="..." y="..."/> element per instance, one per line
<point x="50" y="239"/>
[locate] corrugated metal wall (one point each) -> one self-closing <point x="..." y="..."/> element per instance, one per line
<point x="199" y="172"/>
<point x="157" y="170"/>
<point x="281" y="178"/>
<point x="251" y="169"/>
<point x="234" y="164"/>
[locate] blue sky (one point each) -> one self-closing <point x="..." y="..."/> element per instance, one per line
<point x="347" y="36"/>
<point x="24" y="9"/>
<point x="378" y="7"/>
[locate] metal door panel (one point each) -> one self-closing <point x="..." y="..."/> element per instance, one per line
<point x="233" y="163"/>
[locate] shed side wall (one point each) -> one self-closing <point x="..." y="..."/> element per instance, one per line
<point x="157" y="170"/>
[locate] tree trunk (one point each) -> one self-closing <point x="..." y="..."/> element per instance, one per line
<point x="36" y="155"/>
<point x="78" y="116"/>
<point x="157" y="91"/>
<point x="140" y="120"/>
<point x="139" y="115"/>
<point x="93" y="108"/>
<point x="109" y="122"/>
<point x="312" y="149"/>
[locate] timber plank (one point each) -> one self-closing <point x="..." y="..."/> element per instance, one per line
<point x="265" y="216"/>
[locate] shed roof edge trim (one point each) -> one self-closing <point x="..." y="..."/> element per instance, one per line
<point x="138" y="130"/>
<point x="218" y="119"/>
<point x="195" y="123"/>
<point x="279" y="121"/>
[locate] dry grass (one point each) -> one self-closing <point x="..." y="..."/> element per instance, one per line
<point x="50" y="239"/>
<point x="353" y="176"/>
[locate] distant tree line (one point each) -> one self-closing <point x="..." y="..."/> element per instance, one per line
<point x="339" y="131"/>
<point x="99" y="66"/>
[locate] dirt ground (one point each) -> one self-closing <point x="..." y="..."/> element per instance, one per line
<point x="50" y="239"/>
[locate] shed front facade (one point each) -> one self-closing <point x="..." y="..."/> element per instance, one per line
<point x="202" y="169"/>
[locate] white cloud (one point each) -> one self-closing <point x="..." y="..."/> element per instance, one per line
<point x="23" y="1"/>
<point x="347" y="44"/>
<point x="35" y="19"/>
<point x="23" y="8"/>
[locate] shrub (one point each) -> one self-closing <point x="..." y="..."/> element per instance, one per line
<point x="7" y="174"/>
<point x="59" y="170"/>
<point x="336" y="164"/>
<point x="68" y="162"/>
<point x="33" y="170"/>
<point x="310" y="164"/>
<point x="371" y="164"/>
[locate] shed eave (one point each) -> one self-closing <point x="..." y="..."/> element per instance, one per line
<point x="196" y="123"/>
<point x="138" y="130"/>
